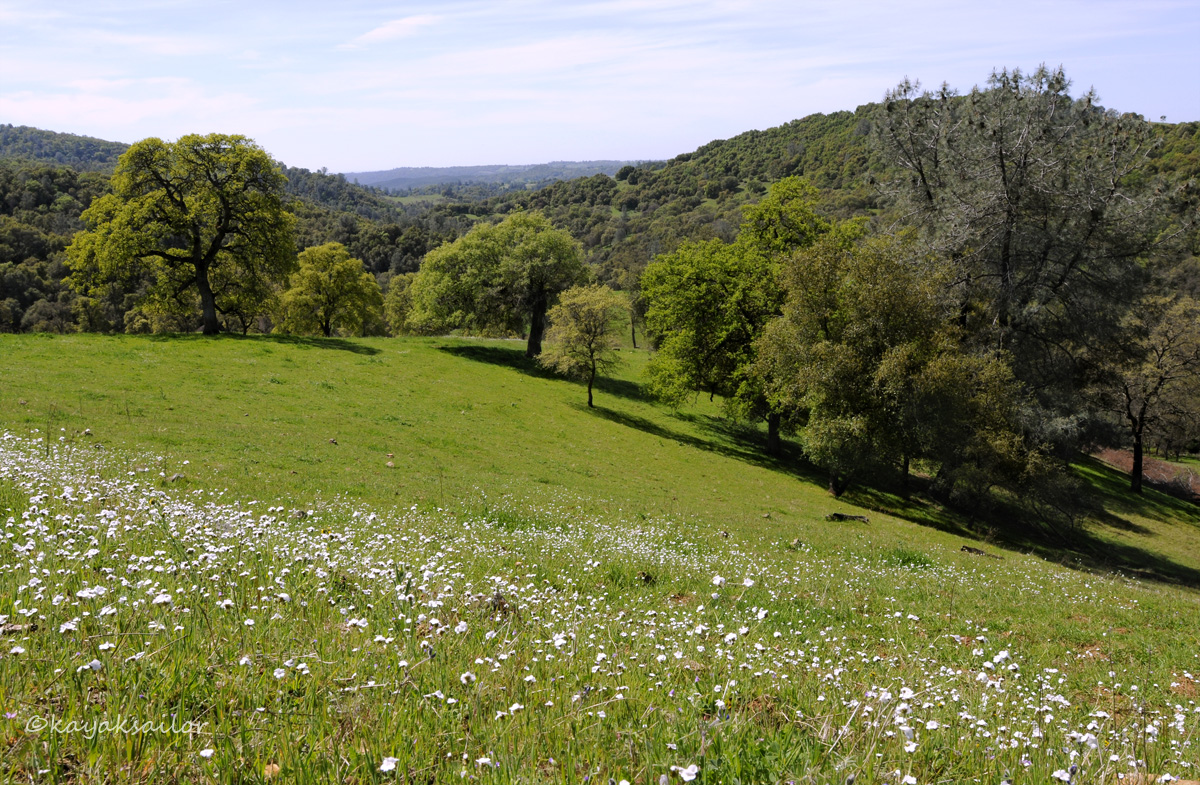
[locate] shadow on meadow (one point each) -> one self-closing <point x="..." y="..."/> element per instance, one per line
<point x="735" y="440"/>
<point x="514" y="358"/>
<point x="1155" y="503"/>
<point x="1013" y="528"/>
<point x="1005" y="526"/>
<point x="301" y="341"/>
<point x="741" y="443"/>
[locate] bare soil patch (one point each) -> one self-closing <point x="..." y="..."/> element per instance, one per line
<point x="1175" y="480"/>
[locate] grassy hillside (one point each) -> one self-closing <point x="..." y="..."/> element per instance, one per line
<point x="532" y="592"/>
<point x="460" y="419"/>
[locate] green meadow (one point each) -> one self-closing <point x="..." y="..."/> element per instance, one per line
<point x="460" y="418"/>
<point x="426" y="560"/>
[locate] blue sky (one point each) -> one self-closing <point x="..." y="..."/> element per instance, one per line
<point x="359" y="85"/>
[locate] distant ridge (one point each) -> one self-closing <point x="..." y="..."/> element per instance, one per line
<point x="406" y="177"/>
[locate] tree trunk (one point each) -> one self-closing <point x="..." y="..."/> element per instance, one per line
<point x="838" y="483"/>
<point x="537" y="326"/>
<point x="773" y="443"/>
<point x="208" y="303"/>
<point x="905" y="477"/>
<point x="633" y="329"/>
<point x="591" y="381"/>
<point x="1135" y="475"/>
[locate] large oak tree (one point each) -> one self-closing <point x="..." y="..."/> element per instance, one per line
<point x="201" y="220"/>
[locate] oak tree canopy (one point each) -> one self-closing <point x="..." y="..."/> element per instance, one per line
<point x="201" y="220"/>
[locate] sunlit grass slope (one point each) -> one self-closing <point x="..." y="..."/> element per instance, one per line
<point x="462" y="420"/>
<point x="466" y="423"/>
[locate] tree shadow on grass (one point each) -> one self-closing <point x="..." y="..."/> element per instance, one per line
<point x="734" y="440"/>
<point x="914" y="508"/>
<point x="743" y="444"/>
<point x="1011" y="527"/>
<point x="302" y="341"/>
<point x="1112" y="486"/>
<point x="1007" y="527"/>
<point x="514" y="358"/>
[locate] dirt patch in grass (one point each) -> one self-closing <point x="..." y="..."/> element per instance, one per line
<point x="1185" y="686"/>
<point x="1170" y="478"/>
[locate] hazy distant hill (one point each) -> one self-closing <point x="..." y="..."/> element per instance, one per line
<point x="417" y="177"/>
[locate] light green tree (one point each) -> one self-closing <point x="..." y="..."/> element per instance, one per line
<point x="496" y="278"/>
<point x="201" y="218"/>
<point x="330" y="292"/>
<point x="709" y="302"/>
<point x="582" y="338"/>
<point x="398" y="302"/>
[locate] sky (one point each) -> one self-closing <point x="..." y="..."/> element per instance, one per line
<point x="360" y="85"/>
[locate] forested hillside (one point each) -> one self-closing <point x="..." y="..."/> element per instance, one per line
<point x="47" y="179"/>
<point x="84" y="153"/>
<point x="39" y="212"/>
<point x="647" y="210"/>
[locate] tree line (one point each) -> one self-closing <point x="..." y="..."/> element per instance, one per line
<point x="41" y="205"/>
<point x="1027" y="293"/>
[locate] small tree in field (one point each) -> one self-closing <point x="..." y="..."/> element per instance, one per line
<point x="582" y="335"/>
<point x="1154" y="375"/>
<point x="331" y="291"/>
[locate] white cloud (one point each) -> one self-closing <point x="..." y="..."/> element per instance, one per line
<point x="397" y="28"/>
<point x="162" y="45"/>
<point x="128" y="110"/>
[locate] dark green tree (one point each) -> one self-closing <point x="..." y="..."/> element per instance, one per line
<point x="867" y="361"/>
<point x="1038" y="199"/>
<point x="1153" y="382"/>
<point x="202" y="218"/>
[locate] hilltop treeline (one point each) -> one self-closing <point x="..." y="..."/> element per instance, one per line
<point x="82" y="153"/>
